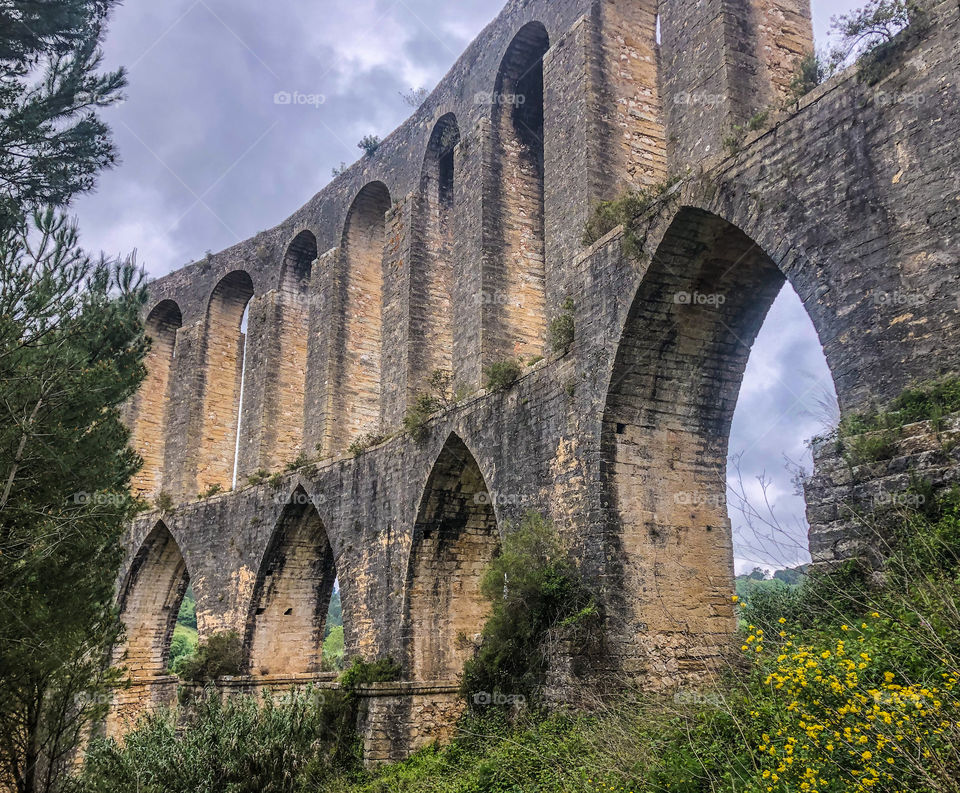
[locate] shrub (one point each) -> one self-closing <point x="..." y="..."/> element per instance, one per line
<point x="415" y="421"/>
<point x="870" y="448"/>
<point x="538" y="601"/>
<point x="276" y="480"/>
<point x="221" y="655"/>
<point x="624" y="211"/>
<point x="211" y="491"/>
<point x="164" y="501"/>
<point x="258" y="477"/>
<point x="562" y="329"/>
<point x="333" y="650"/>
<point x="501" y="375"/>
<point x="301" y="461"/>
<point x="369" y="144"/>
<point x="364" y="442"/>
<point x="811" y="72"/>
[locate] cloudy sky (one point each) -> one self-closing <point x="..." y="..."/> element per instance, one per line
<point x="209" y="159"/>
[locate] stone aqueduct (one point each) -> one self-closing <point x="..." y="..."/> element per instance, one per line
<point x="452" y="247"/>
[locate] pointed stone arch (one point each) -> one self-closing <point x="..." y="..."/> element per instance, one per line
<point x="359" y="354"/>
<point x="285" y="626"/>
<point x="224" y="344"/>
<point x="454" y="539"/>
<point x="283" y="420"/>
<point x="149" y="603"/>
<point x="665" y="436"/>
<point x="432" y="267"/>
<point x="150" y="428"/>
<point x="514" y="290"/>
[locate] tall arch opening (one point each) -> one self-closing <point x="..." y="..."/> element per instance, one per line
<point x="432" y="268"/>
<point x="286" y="626"/>
<point x="283" y="422"/>
<point x="223" y="381"/>
<point x="514" y="289"/>
<point x="149" y="431"/>
<point x="149" y="603"/>
<point x="359" y="354"/>
<point x="666" y="429"/>
<point x="454" y="539"/>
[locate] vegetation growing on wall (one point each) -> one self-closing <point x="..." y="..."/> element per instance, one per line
<point x="501" y="375"/>
<point x="539" y="603"/>
<point x="625" y="210"/>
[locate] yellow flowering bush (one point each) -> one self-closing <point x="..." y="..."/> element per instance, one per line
<point x="833" y="718"/>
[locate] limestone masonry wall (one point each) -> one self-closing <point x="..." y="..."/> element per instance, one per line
<point x="453" y="247"/>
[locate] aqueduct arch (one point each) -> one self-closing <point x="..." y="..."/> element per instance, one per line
<point x="285" y="628"/>
<point x="454" y="539"/>
<point x="669" y="407"/>
<point x="284" y="419"/>
<point x="432" y="266"/>
<point x="514" y="283"/>
<point x="224" y="345"/>
<point x="359" y="351"/>
<point x="622" y="439"/>
<point x="149" y="603"/>
<point x="149" y="425"/>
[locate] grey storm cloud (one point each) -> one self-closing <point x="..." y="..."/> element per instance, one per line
<point x="208" y="158"/>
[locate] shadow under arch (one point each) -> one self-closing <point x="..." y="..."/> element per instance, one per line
<point x="288" y="611"/>
<point x="149" y="602"/>
<point x="665" y="436"/>
<point x="455" y="537"/>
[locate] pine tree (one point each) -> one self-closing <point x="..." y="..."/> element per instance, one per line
<point x="71" y="354"/>
<point x="52" y="142"/>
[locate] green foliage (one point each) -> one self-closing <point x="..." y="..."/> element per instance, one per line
<point x="52" y="143"/>
<point x="369" y="144"/>
<point x="163" y="502"/>
<point x="626" y="211"/>
<point x="334" y="612"/>
<point x="287" y="744"/>
<point x="183" y="647"/>
<point x="221" y="655"/>
<point x="501" y="375"/>
<point x="211" y="491"/>
<point x="71" y="355"/>
<point x="363" y="673"/>
<point x="870" y="448"/>
<point x="415" y="421"/>
<point x="812" y="71"/>
<point x="258" y="477"/>
<point x="872" y="436"/>
<point x="757" y="122"/>
<point x="364" y="442"/>
<point x="187" y="615"/>
<point x="301" y="461"/>
<point x="538" y="600"/>
<point x="240" y="744"/>
<point x="876" y="34"/>
<point x="562" y="329"/>
<point x="276" y="480"/>
<point x="339" y="170"/>
<point x="333" y="650"/>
